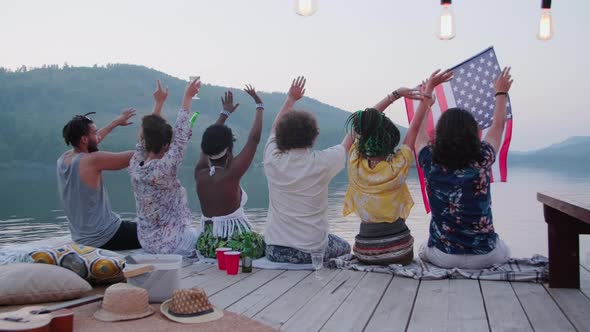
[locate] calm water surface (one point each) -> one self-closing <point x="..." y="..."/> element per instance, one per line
<point x="30" y="209"/>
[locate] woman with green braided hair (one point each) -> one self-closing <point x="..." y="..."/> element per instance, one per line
<point x="377" y="172"/>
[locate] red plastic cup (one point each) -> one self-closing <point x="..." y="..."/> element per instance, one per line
<point x="221" y="257"/>
<point x="232" y="262"/>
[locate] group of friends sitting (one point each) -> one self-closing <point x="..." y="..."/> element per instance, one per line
<point x="456" y="166"/>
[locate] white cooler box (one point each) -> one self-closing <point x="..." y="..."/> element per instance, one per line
<point x="163" y="280"/>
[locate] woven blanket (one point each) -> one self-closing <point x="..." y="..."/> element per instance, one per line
<point x="534" y="269"/>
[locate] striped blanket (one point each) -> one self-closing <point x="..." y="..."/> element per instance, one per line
<point x="534" y="269"/>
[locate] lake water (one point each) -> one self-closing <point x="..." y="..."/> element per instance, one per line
<point x="30" y="209"/>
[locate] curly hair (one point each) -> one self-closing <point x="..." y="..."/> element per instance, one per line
<point x="456" y="143"/>
<point x="216" y="138"/>
<point x="378" y="135"/>
<point x="297" y="129"/>
<point x="156" y="133"/>
<point x="77" y="127"/>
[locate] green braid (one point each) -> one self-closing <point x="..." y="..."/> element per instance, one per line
<point x="376" y="143"/>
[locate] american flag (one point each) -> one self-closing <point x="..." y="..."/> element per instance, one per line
<point x="472" y="89"/>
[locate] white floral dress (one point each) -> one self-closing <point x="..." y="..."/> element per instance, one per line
<point x="163" y="216"/>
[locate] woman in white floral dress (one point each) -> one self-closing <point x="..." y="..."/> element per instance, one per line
<point x="163" y="216"/>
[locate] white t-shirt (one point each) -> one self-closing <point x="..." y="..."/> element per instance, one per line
<point x="298" y="194"/>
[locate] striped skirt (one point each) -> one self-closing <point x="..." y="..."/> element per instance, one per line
<point x="384" y="243"/>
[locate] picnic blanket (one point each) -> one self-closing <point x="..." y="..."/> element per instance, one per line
<point x="534" y="269"/>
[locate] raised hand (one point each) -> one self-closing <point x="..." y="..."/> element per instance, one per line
<point x="250" y="90"/>
<point x="503" y="82"/>
<point x="437" y="78"/>
<point x="228" y="102"/>
<point x="160" y="95"/>
<point x="297" y="89"/>
<point x="414" y="94"/>
<point x="431" y="99"/>
<point x="123" y="119"/>
<point x="192" y="88"/>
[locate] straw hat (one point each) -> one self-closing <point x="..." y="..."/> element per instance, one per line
<point x="190" y="306"/>
<point x="124" y="302"/>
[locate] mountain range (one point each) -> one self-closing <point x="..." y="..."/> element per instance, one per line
<point x="35" y="104"/>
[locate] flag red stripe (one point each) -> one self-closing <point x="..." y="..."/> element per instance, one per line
<point x="504" y="151"/>
<point x="409" y="109"/>
<point x="410" y="112"/>
<point x="422" y="183"/>
<point x="442" y="98"/>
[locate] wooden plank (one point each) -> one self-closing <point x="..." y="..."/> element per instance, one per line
<point x="574" y="304"/>
<point x="319" y="309"/>
<point x="466" y="308"/>
<point x="213" y="280"/>
<point x="567" y="205"/>
<point x="287" y="305"/>
<point x="449" y="305"/>
<point x="256" y="301"/>
<point x="355" y="311"/>
<point x="221" y="280"/>
<point x="430" y="309"/>
<point x="234" y="293"/>
<point x="393" y="312"/>
<point x="542" y="311"/>
<point x="195" y="275"/>
<point x="194" y="269"/>
<point x="503" y="308"/>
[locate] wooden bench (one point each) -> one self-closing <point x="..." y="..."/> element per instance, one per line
<point x="566" y="219"/>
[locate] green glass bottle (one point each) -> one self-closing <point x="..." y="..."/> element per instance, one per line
<point x="247" y="254"/>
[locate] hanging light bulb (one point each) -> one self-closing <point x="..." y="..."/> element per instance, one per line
<point x="306" y="7"/>
<point x="446" y="26"/>
<point x="546" y="22"/>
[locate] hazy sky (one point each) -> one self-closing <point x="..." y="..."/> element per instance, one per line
<point x="352" y="51"/>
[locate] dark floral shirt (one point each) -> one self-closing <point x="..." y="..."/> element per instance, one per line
<point x="461" y="204"/>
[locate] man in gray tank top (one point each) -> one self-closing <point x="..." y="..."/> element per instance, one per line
<point x="82" y="191"/>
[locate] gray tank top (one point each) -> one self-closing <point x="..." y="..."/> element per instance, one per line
<point x="91" y="220"/>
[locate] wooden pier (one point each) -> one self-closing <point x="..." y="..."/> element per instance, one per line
<point x="344" y="300"/>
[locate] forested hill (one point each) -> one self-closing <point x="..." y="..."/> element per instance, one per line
<point x="573" y="153"/>
<point x="35" y="104"/>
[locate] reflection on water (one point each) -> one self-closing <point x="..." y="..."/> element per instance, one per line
<point x="30" y="209"/>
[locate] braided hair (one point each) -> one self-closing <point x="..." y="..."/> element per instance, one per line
<point x="378" y="135"/>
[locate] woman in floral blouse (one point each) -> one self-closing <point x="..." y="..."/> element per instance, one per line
<point x="457" y="171"/>
<point x="163" y="216"/>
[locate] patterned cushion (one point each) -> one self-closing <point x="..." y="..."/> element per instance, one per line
<point x="98" y="266"/>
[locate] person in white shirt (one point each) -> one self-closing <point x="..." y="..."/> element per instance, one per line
<point x="298" y="178"/>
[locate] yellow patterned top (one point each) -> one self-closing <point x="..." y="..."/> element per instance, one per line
<point x="379" y="194"/>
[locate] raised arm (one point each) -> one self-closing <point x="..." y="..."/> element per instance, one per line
<point x="502" y="85"/>
<point x="296" y="92"/>
<point x="242" y="161"/>
<point x="191" y="90"/>
<point x="422" y="137"/>
<point x="395" y="95"/>
<point x="121" y="120"/>
<point x="160" y="96"/>
<point x="420" y="117"/>
<point x="109" y="161"/>
<point x="182" y="130"/>
<point x="227" y="102"/>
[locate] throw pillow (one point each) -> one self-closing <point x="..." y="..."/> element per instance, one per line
<point x="25" y="283"/>
<point x="98" y="266"/>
